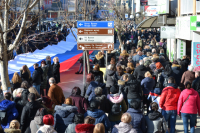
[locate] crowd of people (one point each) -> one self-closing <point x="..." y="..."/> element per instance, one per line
<point x="140" y="92"/>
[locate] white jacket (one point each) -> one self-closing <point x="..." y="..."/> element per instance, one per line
<point x="46" y="129"/>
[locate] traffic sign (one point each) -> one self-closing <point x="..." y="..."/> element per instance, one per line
<point x="95" y="46"/>
<point x="97" y="39"/>
<point x="126" y="15"/>
<point x="94" y="31"/>
<point x="95" y="24"/>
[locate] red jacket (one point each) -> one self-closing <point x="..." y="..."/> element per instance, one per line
<point x="191" y="105"/>
<point x="169" y="98"/>
<point x="84" y="128"/>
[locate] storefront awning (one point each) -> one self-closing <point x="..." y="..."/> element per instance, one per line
<point x="150" y="23"/>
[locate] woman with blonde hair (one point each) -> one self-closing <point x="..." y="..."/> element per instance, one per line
<point x="99" y="128"/>
<point x="148" y="84"/>
<point x="56" y="69"/>
<point x="99" y="59"/>
<point x="33" y="90"/>
<point x="124" y="125"/>
<point x="25" y="73"/>
<point x="13" y="128"/>
<point x="16" y="81"/>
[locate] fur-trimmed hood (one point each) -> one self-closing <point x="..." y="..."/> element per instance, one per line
<point x="66" y="107"/>
<point x="175" y="65"/>
<point x="84" y="128"/>
<point x="100" y="98"/>
<point x="9" y="130"/>
<point x="115" y="98"/>
<point x="98" y="56"/>
<point x="121" y="82"/>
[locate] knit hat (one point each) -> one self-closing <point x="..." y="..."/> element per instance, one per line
<point x="114" y="89"/>
<point x="175" y="62"/>
<point x="94" y="104"/>
<point x="157" y="91"/>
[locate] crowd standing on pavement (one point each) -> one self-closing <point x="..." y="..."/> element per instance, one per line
<point x="140" y="92"/>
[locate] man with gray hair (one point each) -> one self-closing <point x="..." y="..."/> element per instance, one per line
<point x="188" y="75"/>
<point x="196" y="82"/>
<point x="140" y="71"/>
<point x="55" y="92"/>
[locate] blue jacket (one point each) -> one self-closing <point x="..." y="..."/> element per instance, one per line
<point x="136" y="59"/>
<point x="100" y="117"/>
<point x="92" y="86"/>
<point x="64" y="116"/>
<point x="147" y="84"/>
<point x="11" y="111"/>
<point x="138" y="120"/>
<point x="142" y="57"/>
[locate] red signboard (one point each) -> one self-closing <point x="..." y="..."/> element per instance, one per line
<point x="96" y="31"/>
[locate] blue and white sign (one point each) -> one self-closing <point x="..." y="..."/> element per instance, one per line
<point x="95" y="24"/>
<point x="126" y="15"/>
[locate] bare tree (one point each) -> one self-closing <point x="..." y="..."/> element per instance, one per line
<point x="5" y="48"/>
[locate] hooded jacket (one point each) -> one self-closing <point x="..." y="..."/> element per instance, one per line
<point x="103" y="103"/>
<point x="154" y="122"/>
<point x="123" y="128"/>
<point x="138" y="120"/>
<point x="147" y="84"/>
<point x="92" y="86"/>
<point x="9" y="130"/>
<point x="28" y="114"/>
<point x="98" y="73"/>
<point x="46" y="129"/>
<point x="11" y="111"/>
<point x="169" y="97"/>
<point x="110" y="78"/>
<point x="100" y="117"/>
<point x="64" y="116"/>
<point x="192" y="105"/>
<point x="176" y="72"/>
<point x="99" y="60"/>
<point x="84" y="128"/>
<point x="140" y="71"/>
<point x="56" y="72"/>
<point x="36" y="123"/>
<point x="188" y="76"/>
<point x="116" y="99"/>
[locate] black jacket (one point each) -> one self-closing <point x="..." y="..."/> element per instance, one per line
<point x="103" y="103"/>
<point x="28" y="114"/>
<point x="37" y="76"/>
<point x="56" y="72"/>
<point x="24" y="76"/>
<point x="16" y="85"/>
<point x="133" y="88"/>
<point x="110" y="78"/>
<point x="98" y="74"/>
<point x="140" y="71"/>
<point x="100" y="61"/>
<point x="50" y="70"/>
<point x="110" y="55"/>
<point x="176" y="73"/>
<point x="184" y="64"/>
<point x="196" y="85"/>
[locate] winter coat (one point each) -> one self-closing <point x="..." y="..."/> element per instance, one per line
<point x="71" y="128"/>
<point x="169" y="97"/>
<point x="24" y="76"/>
<point x="187" y="76"/>
<point x="116" y="99"/>
<point x="28" y="114"/>
<point x="147" y="84"/>
<point x="64" y="116"/>
<point x="16" y="85"/>
<point x="9" y="130"/>
<point x="192" y="105"/>
<point x="140" y="71"/>
<point x="100" y="117"/>
<point x="56" y="72"/>
<point x="176" y="73"/>
<point x="11" y="112"/>
<point x="80" y="102"/>
<point x="21" y="102"/>
<point x="99" y="60"/>
<point x="138" y="120"/>
<point x="184" y="64"/>
<point x="50" y="70"/>
<point x="56" y="94"/>
<point x="110" y="78"/>
<point x="133" y="89"/>
<point x="84" y="128"/>
<point x="98" y="74"/>
<point x="155" y="121"/>
<point x="109" y="56"/>
<point x="136" y="59"/>
<point x="152" y="66"/>
<point x="103" y="103"/>
<point x="46" y="129"/>
<point x="92" y="86"/>
<point x="37" y="76"/>
<point x="123" y="128"/>
<point x="165" y="74"/>
<point x="36" y="123"/>
<point x="44" y="76"/>
<point x="196" y="85"/>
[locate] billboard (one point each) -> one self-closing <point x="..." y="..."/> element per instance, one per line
<point x="58" y="4"/>
<point x="150" y="11"/>
<point x="168" y="32"/>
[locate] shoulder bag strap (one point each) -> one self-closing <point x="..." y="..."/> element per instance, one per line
<point x="186" y="100"/>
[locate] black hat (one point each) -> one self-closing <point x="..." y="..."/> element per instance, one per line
<point x="114" y="89"/>
<point x="94" y="104"/>
<point x="135" y="104"/>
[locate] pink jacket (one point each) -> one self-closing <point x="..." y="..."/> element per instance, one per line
<point x="191" y="105"/>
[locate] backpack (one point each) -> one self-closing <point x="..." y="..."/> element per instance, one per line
<point x="116" y="109"/>
<point x="3" y="116"/>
